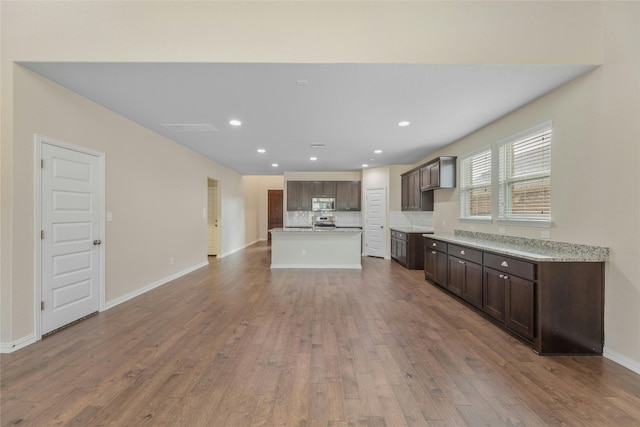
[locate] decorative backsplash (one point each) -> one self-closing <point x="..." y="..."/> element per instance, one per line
<point x="303" y="219"/>
<point x="410" y="219"/>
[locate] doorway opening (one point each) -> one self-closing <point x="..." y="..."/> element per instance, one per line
<point x="213" y="218"/>
<point x="274" y="211"/>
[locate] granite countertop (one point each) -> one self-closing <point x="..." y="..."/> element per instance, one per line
<point x="316" y="230"/>
<point x="412" y="229"/>
<point x="536" y="250"/>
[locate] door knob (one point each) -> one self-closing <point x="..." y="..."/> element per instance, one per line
<point x="97" y="242"/>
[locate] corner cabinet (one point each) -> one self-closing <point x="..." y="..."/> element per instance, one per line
<point x="558" y="307"/>
<point x="418" y="183"/>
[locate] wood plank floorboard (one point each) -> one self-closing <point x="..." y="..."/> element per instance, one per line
<point x="236" y="344"/>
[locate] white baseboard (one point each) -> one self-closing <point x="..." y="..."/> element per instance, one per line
<point x="10" y="347"/>
<point x="316" y="266"/>
<point x="226" y="254"/>
<point x="628" y="363"/>
<point x="153" y="285"/>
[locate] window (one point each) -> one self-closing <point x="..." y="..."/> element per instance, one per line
<point x="475" y="186"/>
<point x="524" y="170"/>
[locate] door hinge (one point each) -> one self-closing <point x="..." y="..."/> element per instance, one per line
<point x="41" y="305"/>
<point x="41" y="234"/>
<point x="41" y="163"/>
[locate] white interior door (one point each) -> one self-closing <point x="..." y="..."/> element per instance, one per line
<point x="376" y="222"/>
<point x="71" y="236"/>
<point x="213" y="229"/>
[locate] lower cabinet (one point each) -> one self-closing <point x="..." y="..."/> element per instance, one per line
<point x="557" y="306"/>
<point x="465" y="280"/>
<point x="510" y="300"/>
<point x="407" y="249"/>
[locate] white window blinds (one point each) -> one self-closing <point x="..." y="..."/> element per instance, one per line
<point x="524" y="170"/>
<point x="475" y="186"/>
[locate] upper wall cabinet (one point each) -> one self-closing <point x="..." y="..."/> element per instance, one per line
<point x="438" y="173"/>
<point x="348" y="195"/>
<point x="412" y="198"/>
<point x="299" y="195"/>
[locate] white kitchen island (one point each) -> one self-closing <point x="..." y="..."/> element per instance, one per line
<point x="316" y="248"/>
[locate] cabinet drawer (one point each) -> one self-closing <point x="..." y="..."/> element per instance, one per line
<point x="435" y="245"/>
<point x="465" y="253"/>
<point x="513" y="266"/>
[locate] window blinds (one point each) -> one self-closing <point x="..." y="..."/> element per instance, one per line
<point x="475" y="186"/>
<point x="525" y="177"/>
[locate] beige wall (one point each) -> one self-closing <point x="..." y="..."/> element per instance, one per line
<point x="260" y="186"/>
<point x="600" y="107"/>
<point x="595" y="173"/>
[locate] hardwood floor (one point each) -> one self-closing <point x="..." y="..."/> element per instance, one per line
<point x="235" y="344"/>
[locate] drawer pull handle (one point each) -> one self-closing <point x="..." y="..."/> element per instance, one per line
<point x="461" y="262"/>
<point x="504" y="276"/>
<point x="505" y="264"/>
<point x="433" y="252"/>
<point x="434" y="244"/>
<point x="461" y="252"/>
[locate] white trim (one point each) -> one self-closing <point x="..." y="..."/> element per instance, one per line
<point x="10" y="347"/>
<point x="316" y="266"/>
<point x="226" y="254"/>
<point x="37" y="283"/>
<point x="538" y="128"/>
<point x="156" y="284"/>
<point x="622" y="360"/>
<point x="525" y="223"/>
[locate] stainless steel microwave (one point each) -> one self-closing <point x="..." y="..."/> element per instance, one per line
<point x="323" y="204"/>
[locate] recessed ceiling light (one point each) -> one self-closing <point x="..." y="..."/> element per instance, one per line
<point x="377" y="151"/>
<point x="404" y="123"/>
<point x="261" y="150"/>
<point x="235" y="122"/>
<point x="313" y="158"/>
<point x="275" y="165"/>
<point x="365" y="165"/>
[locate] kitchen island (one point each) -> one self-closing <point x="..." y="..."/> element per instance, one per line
<point x="316" y="248"/>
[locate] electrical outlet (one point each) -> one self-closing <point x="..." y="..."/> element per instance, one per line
<point x="501" y="230"/>
<point x="171" y="260"/>
<point x="472" y="227"/>
<point x="545" y="234"/>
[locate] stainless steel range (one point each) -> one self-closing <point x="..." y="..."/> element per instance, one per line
<point x="324" y="222"/>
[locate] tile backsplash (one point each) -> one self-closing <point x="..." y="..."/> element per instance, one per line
<point x="410" y="219"/>
<point x="303" y="219"/>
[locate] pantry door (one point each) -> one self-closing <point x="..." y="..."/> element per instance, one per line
<point x="376" y="222"/>
<point x="70" y="236"/>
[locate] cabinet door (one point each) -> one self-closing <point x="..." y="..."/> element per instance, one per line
<point x="472" y="284"/>
<point x="348" y="196"/>
<point x="435" y="266"/>
<point x="293" y="195"/>
<point x="520" y="305"/>
<point x="494" y="294"/>
<point x="425" y="178"/>
<point x="456" y="275"/>
<point x="405" y="193"/>
<point x="434" y="174"/>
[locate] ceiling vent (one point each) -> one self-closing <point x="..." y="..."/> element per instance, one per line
<point x="190" y="127"/>
<point x="320" y="145"/>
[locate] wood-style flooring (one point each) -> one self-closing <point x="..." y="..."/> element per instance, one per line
<point x="235" y="344"/>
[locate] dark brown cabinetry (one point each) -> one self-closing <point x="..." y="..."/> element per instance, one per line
<point x="346" y="193"/>
<point x="413" y="199"/>
<point x="465" y="274"/>
<point x="299" y="195"/>
<point x="557" y="306"/>
<point x="435" y="261"/>
<point x="407" y="249"/>
<point x="348" y="196"/>
<point x="438" y="173"/>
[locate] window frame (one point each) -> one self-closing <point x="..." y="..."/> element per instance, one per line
<point x="465" y="190"/>
<point x="505" y="183"/>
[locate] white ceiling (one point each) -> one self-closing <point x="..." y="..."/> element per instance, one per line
<point x="354" y="109"/>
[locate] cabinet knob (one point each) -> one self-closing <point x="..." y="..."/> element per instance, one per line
<point x="506" y="277"/>
<point x="433" y="252"/>
<point x="434" y="244"/>
<point x="461" y="252"/>
<point x="505" y="264"/>
<point x="502" y="276"/>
